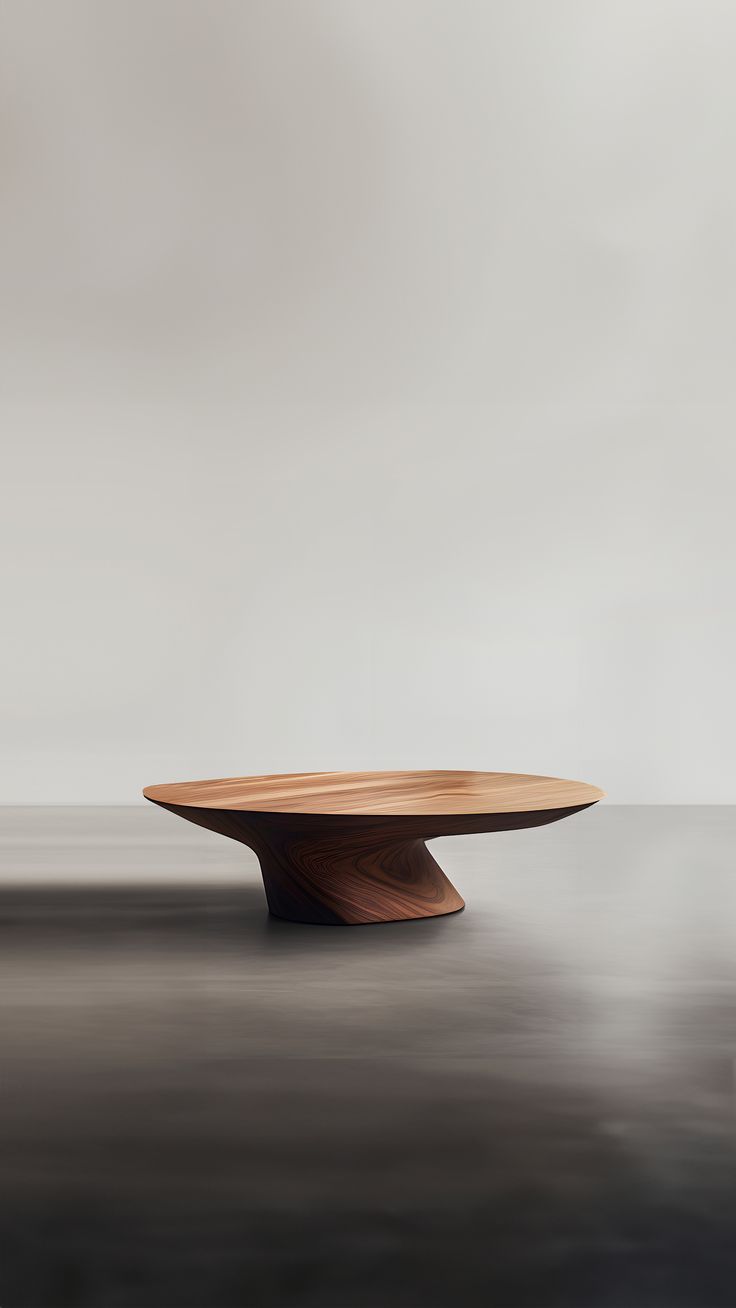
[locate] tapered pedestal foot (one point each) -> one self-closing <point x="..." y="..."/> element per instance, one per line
<point x="324" y="883"/>
<point x="337" y="870"/>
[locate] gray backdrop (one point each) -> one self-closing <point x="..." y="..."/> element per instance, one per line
<point x="367" y="391"/>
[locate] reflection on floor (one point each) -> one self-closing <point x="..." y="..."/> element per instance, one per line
<point x="529" y="1103"/>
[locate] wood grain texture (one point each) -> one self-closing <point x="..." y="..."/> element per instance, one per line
<point x="365" y="861"/>
<point x="383" y="793"/>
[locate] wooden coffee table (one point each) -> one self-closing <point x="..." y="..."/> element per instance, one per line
<point x="342" y="848"/>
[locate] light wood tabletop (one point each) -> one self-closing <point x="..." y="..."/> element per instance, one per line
<point x="380" y="793"/>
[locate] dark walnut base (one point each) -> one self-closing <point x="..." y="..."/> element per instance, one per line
<point x="315" y="881"/>
<point x="339" y="870"/>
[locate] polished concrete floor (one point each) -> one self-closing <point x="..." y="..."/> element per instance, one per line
<point x="529" y="1103"/>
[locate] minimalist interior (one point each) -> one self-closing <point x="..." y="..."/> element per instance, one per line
<point x="367" y="409"/>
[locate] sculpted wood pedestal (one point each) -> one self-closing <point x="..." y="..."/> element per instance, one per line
<point x="342" y="848"/>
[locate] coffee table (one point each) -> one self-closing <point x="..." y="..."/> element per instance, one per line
<point x="342" y="848"/>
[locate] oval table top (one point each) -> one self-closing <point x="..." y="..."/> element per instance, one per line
<point x="387" y="794"/>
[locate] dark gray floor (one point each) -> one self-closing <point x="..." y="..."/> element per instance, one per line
<point x="529" y="1103"/>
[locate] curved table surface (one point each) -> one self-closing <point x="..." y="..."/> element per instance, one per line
<point x="380" y="794"/>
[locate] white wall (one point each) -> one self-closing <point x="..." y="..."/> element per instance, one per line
<point x="368" y="391"/>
